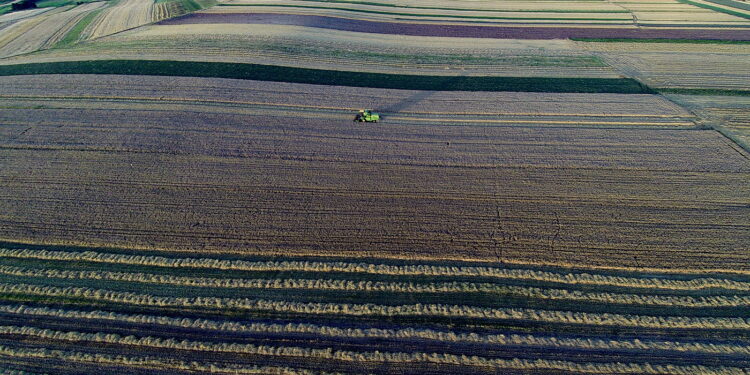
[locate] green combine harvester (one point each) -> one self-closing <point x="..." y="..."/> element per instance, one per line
<point x="367" y="115"/>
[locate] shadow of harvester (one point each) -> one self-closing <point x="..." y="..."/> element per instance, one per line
<point x="416" y="98"/>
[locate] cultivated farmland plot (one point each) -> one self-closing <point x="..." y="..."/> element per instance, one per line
<point x="583" y="208"/>
<point x="670" y="13"/>
<point x="728" y="71"/>
<point x="331" y="49"/>
<point x="42" y="31"/>
<point x="286" y="152"/>
<point x="731" y="113"/>
<point x="129" y="14"/>
<point x="331" y="20"/>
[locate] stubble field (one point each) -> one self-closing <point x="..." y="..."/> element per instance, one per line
<point x="583" y="208"/>
<point x="275" y="173"/>
<point x="249" y="227"/>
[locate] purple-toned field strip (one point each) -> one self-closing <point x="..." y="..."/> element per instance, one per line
<point x="470" y="31"/>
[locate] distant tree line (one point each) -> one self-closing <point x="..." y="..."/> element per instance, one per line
<point x="24" y="4"/>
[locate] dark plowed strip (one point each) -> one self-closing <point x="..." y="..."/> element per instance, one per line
<point x="468" y="31"/>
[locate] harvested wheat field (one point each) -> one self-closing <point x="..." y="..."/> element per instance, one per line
<point x="129" y="14"/>
<point x="539" y="187"/>
<point x="730" y="114"/>
<point x="727" y="71"/>
<point x="42" y="31"/>
<point x="270" y="172"/>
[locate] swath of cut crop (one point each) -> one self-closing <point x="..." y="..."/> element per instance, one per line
<point x="370" y="268"/>
<point x="372" y="333"/>
<point x="395" y="287"/>
<point x="157" y="363"/>
<point x="7" y="371"/>
<point x="440" y="310"/>
<point x="341" y="355"/>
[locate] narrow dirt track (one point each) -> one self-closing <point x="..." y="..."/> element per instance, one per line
<point x="468" y="31"/>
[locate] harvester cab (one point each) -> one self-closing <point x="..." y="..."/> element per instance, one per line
<point x="367" y="115"/>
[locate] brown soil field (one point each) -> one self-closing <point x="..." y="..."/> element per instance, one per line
<point x="453" y="30"/>
<point x="250" y="167"/>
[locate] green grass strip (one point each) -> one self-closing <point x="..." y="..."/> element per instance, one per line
<point x="702" y="92"/>
<point x="429" y="15"/>
<point x="684" y="41"/>
<point x="191" y="5"/>
<point x="75" y="33"/>
<point x="61" y="3"/>
<point x="5" y="9"/>
<point x="716" y="9"/>
<point x="54" y="3"/>
<point x="731" y="3"/>
<point x="331" y="77"/>
<point x="461" y="9"/>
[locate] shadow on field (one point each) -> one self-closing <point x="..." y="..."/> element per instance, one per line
<point x="332" y="77"/>
<point x="408" y="102"/>
<point x="414" y="99"/>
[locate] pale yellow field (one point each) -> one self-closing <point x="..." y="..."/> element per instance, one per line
<point x="126" y="14"/>
<point x="43" y="30"/>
